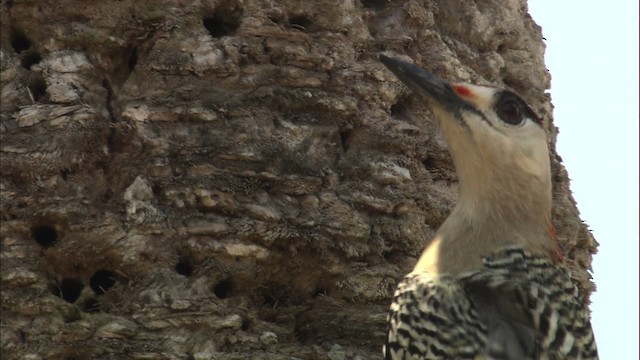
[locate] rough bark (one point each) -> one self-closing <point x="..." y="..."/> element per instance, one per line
<point x="234" y="179"/>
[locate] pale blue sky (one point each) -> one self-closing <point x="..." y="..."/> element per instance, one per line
<point x="592" y="54"/>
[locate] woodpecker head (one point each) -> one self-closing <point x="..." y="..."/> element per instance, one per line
<point x="500" y="150"/>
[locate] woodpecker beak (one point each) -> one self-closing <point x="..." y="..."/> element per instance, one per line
<point x="427" y="84"/>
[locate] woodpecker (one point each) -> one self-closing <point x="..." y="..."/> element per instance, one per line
<point x="492" y="283"/>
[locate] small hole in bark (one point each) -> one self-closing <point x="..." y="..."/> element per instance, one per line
<point x="225" y="20"/>
<point x="269" y="300"/>
<point x="102" y="281"/>
<point x="19" y="41"/>
<point x="133" y="59"/>
<point x="246" y="324"/>
<point x="184" y="268"/>
<point x="68" y="289"/>
<point x="300" y="22"/>
<point x="38" y="86"/>
<point x="389" y="256"/>
<point x="92" y="306"/>
<point x="107" y="195"/>
<point x="222" y="290"/>
<point x="397" y="109"/>
<point x="157" y="189"/>
<point x="30" y="59"/>
<point x="376" y="5"/>
<point x="45" y="235"/>
<point x="428" y="163"/>
<point x="345" y="139"/>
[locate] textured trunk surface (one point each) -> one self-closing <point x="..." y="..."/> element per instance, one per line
<point x="234" y="179"/>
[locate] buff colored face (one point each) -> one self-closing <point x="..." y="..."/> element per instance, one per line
<point x="496" y="128"/>
<point x="500" y="152"/>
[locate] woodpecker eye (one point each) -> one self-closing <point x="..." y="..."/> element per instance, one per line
<point x="513" y="110"/>
<point x="510" y="110"/>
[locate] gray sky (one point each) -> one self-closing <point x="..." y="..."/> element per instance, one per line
<point x="592" y="54"/>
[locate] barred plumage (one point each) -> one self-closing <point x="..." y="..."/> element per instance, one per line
<point x="515" y="298"/>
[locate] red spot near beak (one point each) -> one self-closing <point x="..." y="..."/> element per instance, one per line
<point x="462" y="90"/>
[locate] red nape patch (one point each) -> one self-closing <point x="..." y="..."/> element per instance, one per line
<point x="556" y="254"/>
<point x="462" y="90"/>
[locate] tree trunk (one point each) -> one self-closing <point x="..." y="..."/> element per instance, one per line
<point x="236" y="179"/>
